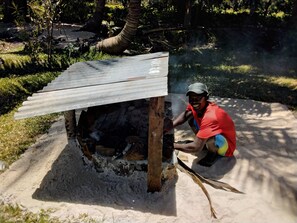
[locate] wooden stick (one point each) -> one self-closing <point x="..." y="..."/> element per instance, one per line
<point x="155" y="143"/>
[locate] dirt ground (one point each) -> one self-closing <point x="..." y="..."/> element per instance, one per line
<point x="51" y="175"/>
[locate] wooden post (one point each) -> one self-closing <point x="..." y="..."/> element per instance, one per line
<point x="155" y="143"/>
<point x="70" y="124"/>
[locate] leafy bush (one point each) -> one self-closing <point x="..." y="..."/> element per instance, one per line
<point x="76" y="11"/>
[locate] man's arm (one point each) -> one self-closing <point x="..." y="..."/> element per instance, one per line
<point x="181" y="118"/>
<point x="191" y="147"/>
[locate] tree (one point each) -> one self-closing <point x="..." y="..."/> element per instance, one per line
<point x="94" y="24"/>
<point x="294" y="14"/>
<point x="11" y="8"/>
<point x="180" y="7"/>
<point x="188" y="14"/>
<point x="183" y="12"/>
<point x="117" y="44"/>
<point x="253" y="5"/>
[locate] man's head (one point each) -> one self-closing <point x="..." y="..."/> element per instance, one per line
<point x="198" y="95"/>
<point x="197" y="88"/>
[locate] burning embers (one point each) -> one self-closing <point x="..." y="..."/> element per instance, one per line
<point x="118" y="133"/>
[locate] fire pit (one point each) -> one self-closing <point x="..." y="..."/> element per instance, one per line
<point x="123" y="123"/>
<point x="116" y="136"/>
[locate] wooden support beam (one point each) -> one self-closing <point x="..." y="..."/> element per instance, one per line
<point x="70" y="124"/>
<point x="155" y="143"/>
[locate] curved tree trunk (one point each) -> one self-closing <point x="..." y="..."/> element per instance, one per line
<point x="119" y="43"/>
<point x="188" y="12"/>
<point x="94" y="24"/>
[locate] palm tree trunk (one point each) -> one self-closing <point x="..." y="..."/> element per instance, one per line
<point x="119" y="43"/>
<point x="188" y="12"/>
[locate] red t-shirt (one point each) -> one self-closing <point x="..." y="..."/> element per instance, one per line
<point x="216" y="121"/>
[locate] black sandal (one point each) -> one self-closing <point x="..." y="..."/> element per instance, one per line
<point x="209" y="159"/>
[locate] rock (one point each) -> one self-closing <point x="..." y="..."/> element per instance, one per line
<point x="3" y="165"/>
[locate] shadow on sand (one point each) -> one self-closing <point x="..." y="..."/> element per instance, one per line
<point x="72" y="180"/>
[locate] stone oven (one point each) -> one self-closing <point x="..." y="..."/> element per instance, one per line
<point x="116" y="136"/>
<point x="123" y="108"/>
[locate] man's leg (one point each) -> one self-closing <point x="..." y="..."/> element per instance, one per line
<point x="217" y="146"/>
<point x="211" y="145"/>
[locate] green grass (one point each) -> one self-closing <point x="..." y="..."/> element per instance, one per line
<point x="16" y="88"/>
<point x="17" y="135"/>
<point x="290" y="83"/>
<point x="16" y="62"/>
<point x="237" y="74"/>
<point x="16" y="214"/>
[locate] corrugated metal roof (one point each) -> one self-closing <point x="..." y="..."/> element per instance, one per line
<point x="92" y="83"/>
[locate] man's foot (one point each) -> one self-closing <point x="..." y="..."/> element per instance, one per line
<point x="209" y="159"/>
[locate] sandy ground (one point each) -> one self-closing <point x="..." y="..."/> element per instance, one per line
<point x="51" y="175"/>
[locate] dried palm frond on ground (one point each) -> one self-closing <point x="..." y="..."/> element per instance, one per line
<point x="198" y="179"/>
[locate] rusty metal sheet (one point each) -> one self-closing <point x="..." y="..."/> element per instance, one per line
<point x="92" y="83"/>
